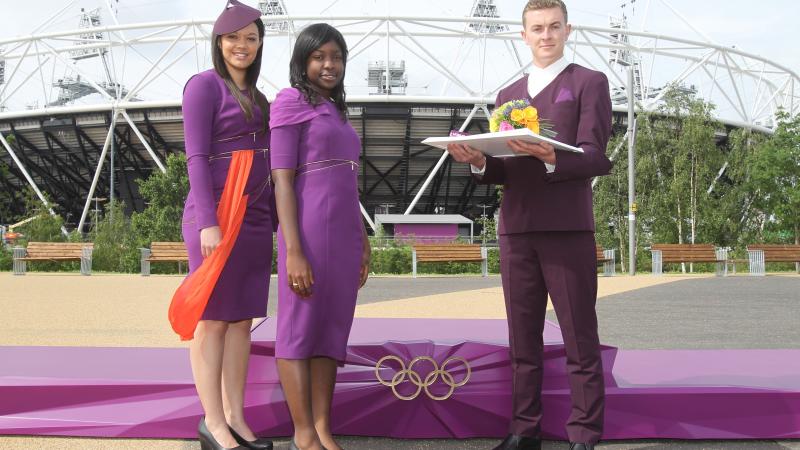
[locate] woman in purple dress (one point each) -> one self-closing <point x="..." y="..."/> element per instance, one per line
<point x="323" y="251"/>
<point x="224" y="113"/>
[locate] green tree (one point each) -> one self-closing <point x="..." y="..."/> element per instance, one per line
<point x="43" y="227"/>
<point x="775" y="178"/>
<point x="488" y="229"/>
<point x="677" y="159"/>
<point x="735" y="220"/>
<point x="164" y="195"/>
<point x="690" y="160"/>
<point x="611" y="204"/>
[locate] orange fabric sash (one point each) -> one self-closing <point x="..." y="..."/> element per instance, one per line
<point x="191" y="297"/>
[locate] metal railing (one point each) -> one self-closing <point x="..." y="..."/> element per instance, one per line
<point x="388" y="241"/>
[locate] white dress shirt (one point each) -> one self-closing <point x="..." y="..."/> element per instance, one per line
<point x="538" y="79"/>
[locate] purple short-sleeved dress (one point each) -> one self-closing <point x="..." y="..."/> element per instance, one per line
<point x="215" y="127"/>
<point x="324" y="150"/>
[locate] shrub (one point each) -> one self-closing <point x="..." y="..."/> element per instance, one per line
<point x="115" y="248"/>
<point x="396" y="259"/>
<point x="164" y="194"/>
<point x="6" y="259"/>
<point x="391" y="260"/>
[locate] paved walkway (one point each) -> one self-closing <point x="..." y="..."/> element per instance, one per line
<point x="634" y="312"/>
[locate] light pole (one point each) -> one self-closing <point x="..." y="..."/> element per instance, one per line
<point x="386" y="207"/>
<point x="631" y="177"/>
<point x="111" y="168"/>
<point x="483" y="222"/>
<point x="97" y="201"/>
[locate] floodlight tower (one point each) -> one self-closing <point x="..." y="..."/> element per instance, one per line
<point x="2" y="76"/>
<point x="625" y="59"/>
<point x="485" y="8"/>
<point x="622" y="57"/>
<point x="75" y="88"/>
<point x="481" y="10"/>
<point x="89" y="19"/>
<point x="397" y="79"/>
<point x="274" y="8"/>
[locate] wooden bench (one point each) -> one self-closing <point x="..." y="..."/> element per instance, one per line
<point x="54" y="251"/>
<point x="447" y="253"/>
<point x="608" y="259"/>
<point x="760" y="254"/>
<point x="164" y="251"/>
<point x="689" y="253"/>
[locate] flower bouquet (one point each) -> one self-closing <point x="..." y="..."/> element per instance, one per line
<point x="516" y="119"/>
<point x="516" y="114"/>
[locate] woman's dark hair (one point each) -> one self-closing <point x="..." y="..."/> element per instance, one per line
<point x="311" y="38"/>
<point x="254" y="96"/>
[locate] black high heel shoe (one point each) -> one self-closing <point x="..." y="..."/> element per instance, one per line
<point x="207" y="441"/>
<point x="258" y="444"/>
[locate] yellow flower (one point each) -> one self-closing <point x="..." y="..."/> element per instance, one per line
<point x="533" y="125"/>
<point x="531" y="113"/>
<point x="517" y="115"/>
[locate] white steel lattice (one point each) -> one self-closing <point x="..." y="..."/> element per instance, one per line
<point x="447" y="60"/>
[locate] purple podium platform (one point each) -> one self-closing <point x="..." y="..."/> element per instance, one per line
<point x="407" y="378"/>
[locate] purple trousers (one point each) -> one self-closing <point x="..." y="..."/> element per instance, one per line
<point x="563" y="264"/>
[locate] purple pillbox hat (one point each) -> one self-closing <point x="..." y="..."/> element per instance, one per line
<point x="235" y="16"/>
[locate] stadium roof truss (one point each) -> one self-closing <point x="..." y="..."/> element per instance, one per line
<point x="74" y="99"/>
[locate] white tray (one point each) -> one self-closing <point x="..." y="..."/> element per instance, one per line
<point x="495" y="144"/>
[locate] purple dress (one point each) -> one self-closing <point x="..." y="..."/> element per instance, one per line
<point x="215" y="127"/>
<point x="324" y="150"/>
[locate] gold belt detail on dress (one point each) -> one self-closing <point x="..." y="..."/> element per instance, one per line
<point x="229" y="155"/>
<point x="233" y="138"/>
<point x="325" y="164"/>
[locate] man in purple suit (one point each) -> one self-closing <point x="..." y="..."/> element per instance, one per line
<point x="547" y="228"/>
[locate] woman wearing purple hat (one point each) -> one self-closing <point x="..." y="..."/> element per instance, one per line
<point x="224" y="116"/>
<point x="323" y="251"/>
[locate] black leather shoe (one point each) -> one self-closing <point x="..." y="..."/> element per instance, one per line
<point x="579" y="446"/>
<point x="207" y="441"/>
<point x="514" y="442"/>
<point x="258" y="444"/>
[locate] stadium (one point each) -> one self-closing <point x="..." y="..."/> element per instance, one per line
<point x="90" y="104"/>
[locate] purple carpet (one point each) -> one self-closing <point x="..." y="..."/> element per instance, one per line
<point x="437" y="379"/>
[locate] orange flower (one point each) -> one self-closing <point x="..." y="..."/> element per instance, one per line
<point x="533" y="125"/>
<point x="531" y="114"/>
<point x="517" y="115"/>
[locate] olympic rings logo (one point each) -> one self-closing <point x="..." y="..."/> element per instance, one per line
<point x="408" y="373"/>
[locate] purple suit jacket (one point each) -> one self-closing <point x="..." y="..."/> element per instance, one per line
<point x="578" y="105"/>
